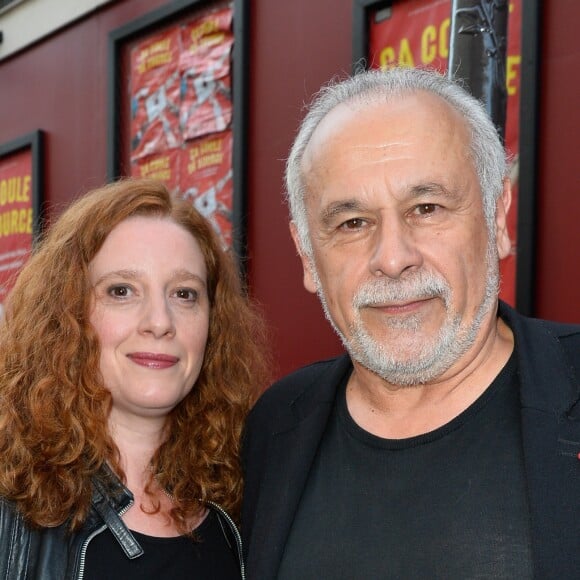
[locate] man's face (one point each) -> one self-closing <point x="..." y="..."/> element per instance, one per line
<point x="401" y="254"/>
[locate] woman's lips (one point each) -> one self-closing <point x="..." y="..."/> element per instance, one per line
<point x="153" y="360"/>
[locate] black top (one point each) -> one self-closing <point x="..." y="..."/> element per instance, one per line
<point x="207" y="557"/>
<point x="284" y="431"/>
<point x="450" y="504"/>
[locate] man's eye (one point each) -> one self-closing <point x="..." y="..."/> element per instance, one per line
<point x="353" y="224"/>
<point x="119" y="291"/>
<point x="426" y="208"/>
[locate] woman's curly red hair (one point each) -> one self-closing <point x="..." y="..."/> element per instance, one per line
<point x="53" y="404"/>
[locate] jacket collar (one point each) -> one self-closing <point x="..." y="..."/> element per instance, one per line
<point x="536" y="342"/>
<point x="111" y="499"/>
<point x="549" y="394"/>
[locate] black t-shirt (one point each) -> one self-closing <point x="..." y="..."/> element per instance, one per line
<point x="449" y="505"/>
<point x="207" y="557"/>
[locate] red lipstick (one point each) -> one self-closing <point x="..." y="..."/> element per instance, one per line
<point x="153" y="360"/>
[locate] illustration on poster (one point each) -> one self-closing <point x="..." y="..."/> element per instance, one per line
<point x="157" y="105"/>
<point x="208" y="204"/>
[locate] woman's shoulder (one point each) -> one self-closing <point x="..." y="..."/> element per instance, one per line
<point x="9" y="514"/>
<point x="15" y="540"/>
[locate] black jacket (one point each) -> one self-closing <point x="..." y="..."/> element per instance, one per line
<point x="56" y="554"/>
<point x="286" y="426"/>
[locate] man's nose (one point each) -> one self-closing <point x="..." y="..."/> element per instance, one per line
<point x="395" y="249"/>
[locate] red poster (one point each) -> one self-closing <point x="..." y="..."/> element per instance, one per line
<point x="181" y="112"/>
<point x="161" y="166"/>
<point x="206" y="180"/>
<point x="416" y="33"/>
<point x="155" y="94"/>
<point x="16" y="217"/>
<point x="206" y="105"/>
<point x="512" y="140"/>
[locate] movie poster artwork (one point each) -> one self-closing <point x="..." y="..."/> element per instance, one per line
<point x="162" y="166"/>
<point x="206" y="104"/>
<point x="181" y="113"/>
<point x="155" y="95"/>
<point x="207" y="180"/>
<point x="16" y="217"/>
<point x="415" y="33"/>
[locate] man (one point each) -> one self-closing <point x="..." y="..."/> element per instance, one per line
<point x="445" y="444"/>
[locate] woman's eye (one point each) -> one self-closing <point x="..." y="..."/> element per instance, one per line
<point x="119" y="291"/>
<point x="187" y="294"/>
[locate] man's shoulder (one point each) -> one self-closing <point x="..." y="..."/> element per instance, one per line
<point x="568" y="337"/>
<point x="294" y="396"/>
<point x="294" y="385"/>
<point x="564" y="333"/>
<point x="559" y="329"/>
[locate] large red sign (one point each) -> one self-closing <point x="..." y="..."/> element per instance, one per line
<point x="416" y="33"/>
<point x="16" y="216"/>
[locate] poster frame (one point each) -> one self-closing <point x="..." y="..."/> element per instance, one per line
<point x="148" y="24"/>
<point x="34" y="142"/>
<point x="528" y="134"/>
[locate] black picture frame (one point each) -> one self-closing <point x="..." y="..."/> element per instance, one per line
<point x="528" y="134"/>
<point x="149" y="23"/>
<point x="33" y="141"/>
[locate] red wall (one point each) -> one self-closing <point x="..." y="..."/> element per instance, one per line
<point x="558" y="243"/>
<point x="297" y="46"/>
<point x="60" y="85"/>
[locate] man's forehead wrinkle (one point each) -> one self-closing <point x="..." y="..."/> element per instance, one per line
<point x="379" y="146"/>
<point x="369" y="154"/>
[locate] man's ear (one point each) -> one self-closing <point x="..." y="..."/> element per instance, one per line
<point x="307" y="265"/>
<point x="504" y="244"/>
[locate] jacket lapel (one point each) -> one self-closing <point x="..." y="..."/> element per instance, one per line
<point x="291" y="451"/>
<point x="551" y="441"/>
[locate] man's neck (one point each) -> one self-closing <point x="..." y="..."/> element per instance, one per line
<point x="398" y="412"/>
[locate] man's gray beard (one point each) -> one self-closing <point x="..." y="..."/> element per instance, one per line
<point x="429" y="359"/>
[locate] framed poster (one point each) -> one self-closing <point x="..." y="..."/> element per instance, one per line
<point x="177" y="107"/>
<point x="416" y="33"/>
<point x="20" y="199"/>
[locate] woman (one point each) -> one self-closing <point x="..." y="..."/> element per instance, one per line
<point x="128" y="359"/>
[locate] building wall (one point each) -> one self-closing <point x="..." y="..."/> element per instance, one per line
<point x="59" y="85"/>
<point x="558" y="211"/>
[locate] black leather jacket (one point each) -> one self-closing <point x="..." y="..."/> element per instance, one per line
<point x="56" y="554"/>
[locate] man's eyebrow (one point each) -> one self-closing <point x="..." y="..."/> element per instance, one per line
<point x="430" y="189"/>
<point x="336" y="208"/>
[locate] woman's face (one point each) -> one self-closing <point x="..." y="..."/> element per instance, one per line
<point x="151" y="314"/>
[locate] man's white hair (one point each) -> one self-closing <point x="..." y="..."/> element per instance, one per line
<point x="373" y="87"/>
